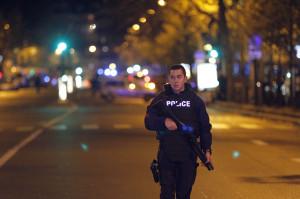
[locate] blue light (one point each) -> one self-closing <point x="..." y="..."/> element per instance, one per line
<point x="46" y="79"/>
<point x="100" y="71"/>
<point x="85" y="147"/>
<point x="235" y="154"/>
<point x="54" y="82"/>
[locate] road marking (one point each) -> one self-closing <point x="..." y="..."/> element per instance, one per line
<point x="203" y="194"/>
<point x="259" y="142"/>
<point x="296" y="160"/>
<point x="90" y="127"/>
<point x="12" y="151"/>
<point x="283" y="127"/>
<point x="24" y="128"/>
<point x="122" y="126"/>
<point x="60" y="127"/>
<point x="250" y="126"/>
<point x="220" y="126"/>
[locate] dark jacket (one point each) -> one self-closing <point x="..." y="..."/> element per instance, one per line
<point x="189" y="109"/>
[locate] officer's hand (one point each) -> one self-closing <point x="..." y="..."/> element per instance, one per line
<point x="170" y="124"/>
<point x="208" y="156"/>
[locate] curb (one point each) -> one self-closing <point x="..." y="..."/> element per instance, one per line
<point x="292" y="118"/>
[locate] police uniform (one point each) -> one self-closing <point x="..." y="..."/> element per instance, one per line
<point x="177" y="161"/>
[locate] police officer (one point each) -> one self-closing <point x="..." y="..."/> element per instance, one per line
<point x="177" y="161"/>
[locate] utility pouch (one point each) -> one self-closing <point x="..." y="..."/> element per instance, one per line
<point x="155" y="170"/>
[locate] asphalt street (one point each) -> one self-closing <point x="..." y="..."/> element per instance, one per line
<point x="89" y="148"/>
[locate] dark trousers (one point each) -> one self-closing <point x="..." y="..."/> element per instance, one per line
<point x="176" y="177"/>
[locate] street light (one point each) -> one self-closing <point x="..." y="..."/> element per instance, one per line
<point x="143" y="20"/>
<point x="161" y="2"/>
<point x="136" y="27"/>
<point x="61" y="47"/>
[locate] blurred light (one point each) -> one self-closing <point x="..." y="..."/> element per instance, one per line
<point x="151" y="85"/>
<point x="147" y="79"/>
<point x="208" y="47"/>
<point x="130" y="70"/>
<point x="140" y="74"/>
<point x="288" y="75"/>
<point x="62" y="90"/>
<point x="72" y="51"/>
<point x="100" y="71"/>
<point x="105" y="49"/>
<point x="92" y="27"/>
<point x="78" y="71"/>
<point x="235" y="154"/>
<point x="136" y="68"/>
<point x="161" y="2"/>
<point x="136" y="27"/>
<point x="62" y="46"/>
<point x="84" y="147"/>
<point x="145" y="72"/>
<point x="92" y="49"/>
<point x="6" y="26"/>
<point x="207" y="76"/>
<point x="114" y="73"/>
<point x="70" y="84"/>
<point x="64" y="78"/>
<point x="86" y="83"/>
<point x="46" y="79"/>
<point x="212" y="60"/>
<point x="297" y="48"/>
<point x="130" y="78"/>
<point x="151" y="12"/>
<point x="214" y="53"/>
<point x="131" y="86"/>
<point x="143" y="20"/>
<point x="54" y="82"/>
<point x="258" y="84"/>
<point x="267" y="88"/>
<point x="1" y="75"/>
<point x="112" y="66"/>
<point x="58" y="52"/>
<point x="13" y="69"/>
<point x="78" y="81"/>
<point x="1" y="58"/>
<point x="107" y="72"/>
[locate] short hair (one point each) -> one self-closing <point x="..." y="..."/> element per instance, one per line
<point x="177" y="67"/>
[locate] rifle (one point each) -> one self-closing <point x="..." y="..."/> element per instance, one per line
<point x="189" y="132"/>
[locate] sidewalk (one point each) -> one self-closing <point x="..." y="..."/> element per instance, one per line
<point x="283" y="114"/>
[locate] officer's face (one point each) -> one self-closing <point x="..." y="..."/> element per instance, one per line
<point x="177" y="80"/>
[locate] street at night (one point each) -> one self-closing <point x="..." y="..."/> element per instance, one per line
<point x="90" y="149"/>
<point x="148" y="99"/>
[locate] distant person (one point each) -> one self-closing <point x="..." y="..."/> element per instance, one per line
<point x="95" y="85"/>
<point x="37" y="83"/>
<point x="177" y="162"/>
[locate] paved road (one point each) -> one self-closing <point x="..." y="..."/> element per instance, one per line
<point x="87" y="148"/>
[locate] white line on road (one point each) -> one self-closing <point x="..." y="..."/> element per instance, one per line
<point x="203" y="194"/>
<point x="259" y="142"/>
<point x="122" y="126"/>
<point x="90" y="127"/>
<point x="296" y="160"/>
<point x="11" y="152"/>
<point x="24" y="128"/>
<point x="60" y="127"/>
<point x="250" y="126"/>
<point x="220" y="126"/>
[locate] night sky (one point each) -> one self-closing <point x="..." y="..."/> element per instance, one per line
<point x="45" y="20"/>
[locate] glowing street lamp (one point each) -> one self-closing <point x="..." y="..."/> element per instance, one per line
<point x="92" y="49"/>
<point x="161" y="2"/>
<point x="61" y="47"/>
<point x="136" y="27"/>
<point x="143" y="20"/>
